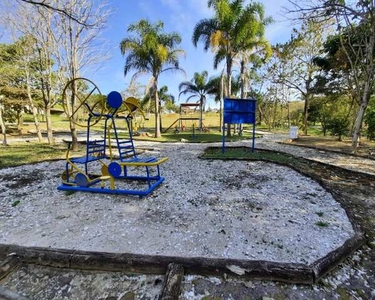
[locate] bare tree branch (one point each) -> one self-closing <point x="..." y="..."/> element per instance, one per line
<point x="63" y="11"/>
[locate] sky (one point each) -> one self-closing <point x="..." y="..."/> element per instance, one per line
<point x="178" y="16"/>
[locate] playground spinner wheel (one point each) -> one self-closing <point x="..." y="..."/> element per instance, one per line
<point x="83" y="102"/>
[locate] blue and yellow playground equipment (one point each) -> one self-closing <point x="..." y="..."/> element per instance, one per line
<point x="111" y="164"/>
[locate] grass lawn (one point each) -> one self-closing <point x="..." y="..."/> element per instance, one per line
<point x="27" y="153"/>
<point x="198" y="137"/>
<point x="245" y="153"/>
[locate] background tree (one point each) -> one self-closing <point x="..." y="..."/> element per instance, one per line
<point x="60" y="8"/>
<point x="370" y="120"/>
<point x="297" y="58"/>
<point x="199" y="87"/>
<point x="234" y="28"/>
<point x="149" y="50"/>
<point x="356" y="26"/>
<point x="166" y="101"/>
<point x="65" y="48"/>
<point x="79" y="49"/>
<point x="16" y="75"/>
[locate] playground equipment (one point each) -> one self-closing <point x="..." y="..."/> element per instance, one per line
<point x="119" y="168"/>
<point x="183" y="118"/>
<point x="239" y="111"/>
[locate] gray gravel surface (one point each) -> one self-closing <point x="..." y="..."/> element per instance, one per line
<point x="231" y="209"/>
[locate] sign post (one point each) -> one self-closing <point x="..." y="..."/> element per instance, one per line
<point x="239" y="111"/>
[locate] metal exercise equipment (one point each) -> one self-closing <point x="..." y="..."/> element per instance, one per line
<point x="118" y="168"/>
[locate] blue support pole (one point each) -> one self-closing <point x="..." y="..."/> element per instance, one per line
<point x="223" y="147"/>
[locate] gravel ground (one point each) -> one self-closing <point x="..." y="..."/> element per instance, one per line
<point x="354" y="279"/>
<point x="232" y="209"/>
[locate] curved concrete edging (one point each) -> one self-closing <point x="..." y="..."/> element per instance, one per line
<point x="157" y="264"/>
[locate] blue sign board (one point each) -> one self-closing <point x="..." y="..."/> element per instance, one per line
<point x="239" y="111"/>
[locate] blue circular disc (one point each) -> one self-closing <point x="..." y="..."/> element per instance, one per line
<point x="81" y="180"/>
<point x="114" y="99"/>
<point x="114" y="169"/>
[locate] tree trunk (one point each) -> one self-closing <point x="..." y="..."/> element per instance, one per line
<point x="161" y="120"/>
<point x="359" y="119"/>
<point x="157" y="110"/>
<point x="305" y="115"/>
<point x="3" y="127"/>
<point x="274" y="114"/>
<point x="366" y="91"/>
<point x="221" y="115"/>
<point x="229" y="86"/>
<point x="36" y="123"/>
<point x="221" y="100"/>
<point x="73" y="132"/>
<point x="32" y="106"/>
<point x="242" y="74"/>
<point x="201" y="115"/>
<point x="73" y="129"/>
<point x="19" y="121"/>
<point x="260" y="115"/>
<point x="47" y="112"/>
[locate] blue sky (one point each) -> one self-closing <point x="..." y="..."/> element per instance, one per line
<point x="177" y="15"/>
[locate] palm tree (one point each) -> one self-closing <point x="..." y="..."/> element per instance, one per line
<point x="150" y="50"/>
<point x="234" y="28"/>
<point x="254" y="58"/>
<point x="199" y="87"/>
<point x="163" y="96"/>
<point x="218" y="89"/>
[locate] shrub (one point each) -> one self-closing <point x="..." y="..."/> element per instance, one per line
<point x="370" y="123"/>
<point x="338" y="125"/>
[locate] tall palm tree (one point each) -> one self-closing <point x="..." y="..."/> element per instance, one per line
<point x="150" y="50"/>
<point x="250" y="60"/>
<point x="234" y="28"/>
<point x="199" y="87"/>
<point x="218" y="91"/>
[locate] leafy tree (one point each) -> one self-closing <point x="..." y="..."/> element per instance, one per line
<point x="65" y="43"/>
<point x="336" y="80"/>
<point x="150" y="50"/>
<point x="370" y="120"/>
<point x="338" y="125"/>
<point x="297" y="58"/>
<point x="15" y="88"/>
<point x="250" y="60"/>
<point x="356" y="27"/>
<point x="199" y="87"/>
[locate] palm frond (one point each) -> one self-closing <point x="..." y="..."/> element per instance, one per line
<point x="203" y="31"/>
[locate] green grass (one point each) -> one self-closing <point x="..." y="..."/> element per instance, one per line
<point x="245" y="153"/>
<point x="322" y="224"/>
<point x="27" y="153"/>
<point x="15" y="203"/>
<point x="315" y="130"/>
<point x="204" y="137"/>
